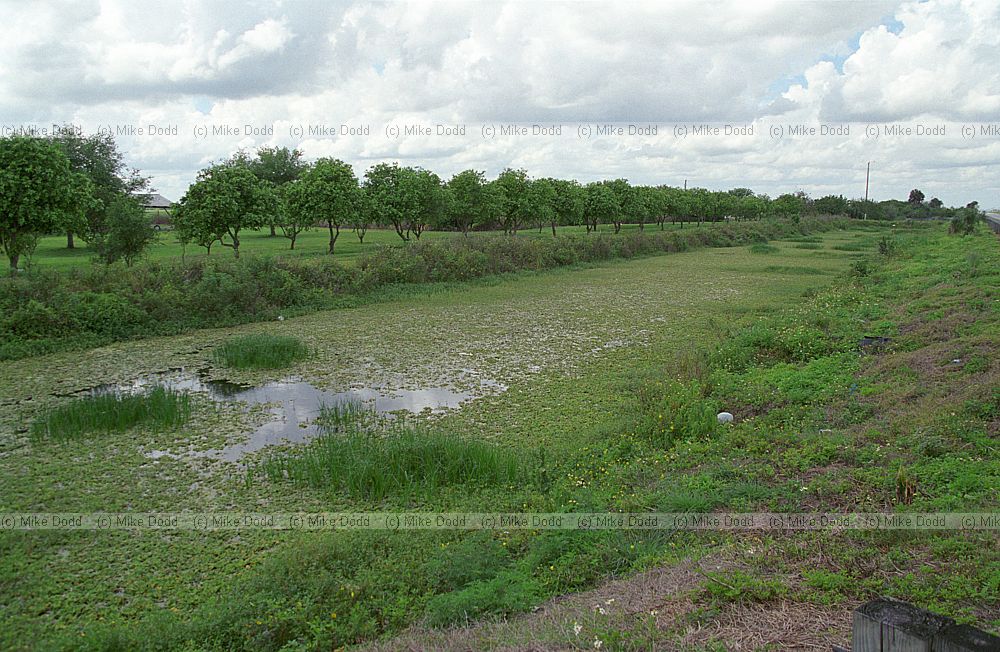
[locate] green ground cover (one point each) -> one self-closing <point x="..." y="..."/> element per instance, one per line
<point x="52" y="253"/>
<point x="610" y="373"/>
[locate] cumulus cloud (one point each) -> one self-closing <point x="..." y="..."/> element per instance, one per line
<point x="278" y="67"/>
<point x="941" y="63"/>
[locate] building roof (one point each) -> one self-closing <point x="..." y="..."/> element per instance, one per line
<point x="157" y="201"/>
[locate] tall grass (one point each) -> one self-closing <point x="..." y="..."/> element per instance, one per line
<point x="340" y="416"/>
<point x="391" y="458"/>
<point x="261" y="351"/>
<point x="113" y="413"/>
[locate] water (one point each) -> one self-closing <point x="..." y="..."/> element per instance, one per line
<point x="294" y="404"/>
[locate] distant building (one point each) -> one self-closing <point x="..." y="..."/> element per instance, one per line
<point x="158" y="201"/>
<point x="159" y="208"/>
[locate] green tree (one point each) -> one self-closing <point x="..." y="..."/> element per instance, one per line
<point x="628" y="202"/>
<point x="469" y="202"/>
<point x="569" y="202"/>
<point x="830" y="205"/>
<point x="279" y="166"/>
<point x="543" y="198"/>
<point x="789" y="206"/>
<point x="39" y="193"/>
<point x="515" y="208"/>
<point x="600" y="205"/>
<point x="327" y="192"/>
<point x="916" y="197"/>
<point x="97" y="157"/>
<point x="129" y="232"/>
<point x="426" y="201"/>
<point x="291" y="223"/>
<point x="225" y="199"/>
<point x="384" y="187"/>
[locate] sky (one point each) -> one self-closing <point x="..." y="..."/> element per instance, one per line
<point x="774" y="96"/>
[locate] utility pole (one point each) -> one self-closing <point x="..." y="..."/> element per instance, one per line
<point x="868" y="173"/>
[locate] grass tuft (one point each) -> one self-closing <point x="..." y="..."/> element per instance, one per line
<point x="762" y="248"/>
<point x="260" y="351"/>
<point x="113" y="413"/>
<point x="389" y="458"/>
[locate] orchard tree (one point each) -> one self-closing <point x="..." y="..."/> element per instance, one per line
<point x="650" y="205"/>
<point x="383" y="187"/>
<point x="327" y="192"/>
<point x="542" y="195"/>
<point x="600" y="205"/>
<point x="39" y="193"/>
<point x="279" y="166"/>
<point x="469" y="202"/>
<point x="789" y="206"/>
<point x="225" y="199"/>
<point x="363" y="217"/>
<point x="830" y="205"/>
<point x="512" y="187"/>
<point x="568" y="205"/>
<point x="426" y="201"/>
<point x="97" y="157"/>
<point x="291" y="223"/>
<point x="627" y="199"/>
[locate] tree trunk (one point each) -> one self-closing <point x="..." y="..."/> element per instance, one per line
<point x="293" y="242"/>
<point x="334" y="234"/>
<point x="553" y="229"/>
<point x="13" y="263"/>
<point x="272" y="231"/>
<point x="69" y="240"/>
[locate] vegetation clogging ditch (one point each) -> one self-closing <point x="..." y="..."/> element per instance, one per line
<point x="820" y="425"/>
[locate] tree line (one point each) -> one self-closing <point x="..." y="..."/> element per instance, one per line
<point x="276" y="188"/>
<point x="80" y="185"/>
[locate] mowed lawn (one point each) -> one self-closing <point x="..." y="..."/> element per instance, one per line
<point x="53" y="254"/>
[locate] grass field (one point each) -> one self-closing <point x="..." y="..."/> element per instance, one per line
<point x="598" y="364"/>
<point x="53" y="254"/>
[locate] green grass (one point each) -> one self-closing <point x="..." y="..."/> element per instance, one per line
<point x="763" y="248"/>
<point x="52" y="254"/>
<point x="260" y="351"/>
<point x="370" y="459"/>
<point x="109" y="413"/>
<point x="818" y="428"/>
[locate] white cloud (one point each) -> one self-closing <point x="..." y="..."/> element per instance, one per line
<point x="290" y="65"/>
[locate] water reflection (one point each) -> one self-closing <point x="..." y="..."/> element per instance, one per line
<point x="294" y="404"/>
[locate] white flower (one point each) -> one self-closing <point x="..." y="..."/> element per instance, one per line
<point x="598" y="643"/>
<point x="577" y="628"/>
<point x="609" y="601"/>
